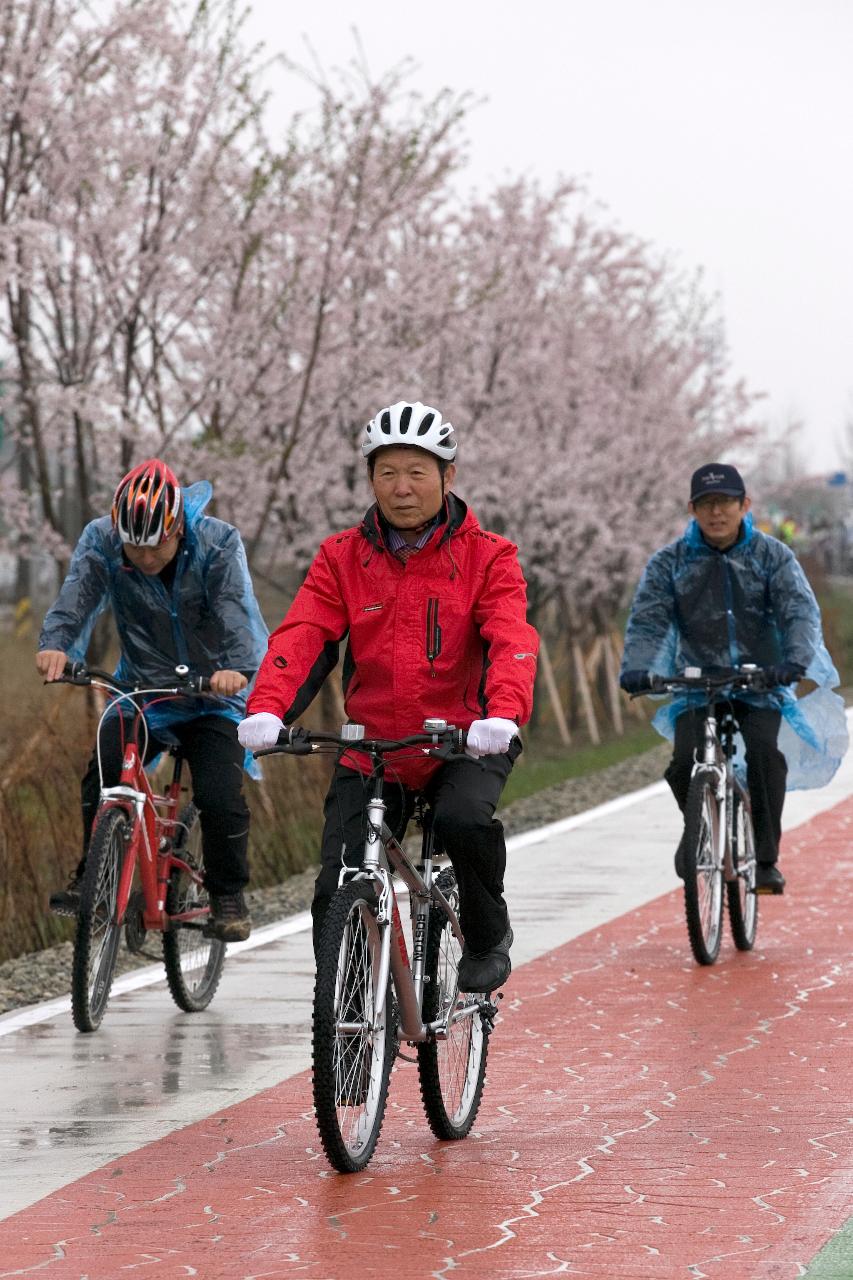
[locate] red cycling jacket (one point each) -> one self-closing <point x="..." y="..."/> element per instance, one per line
<point x="444" y="634"/>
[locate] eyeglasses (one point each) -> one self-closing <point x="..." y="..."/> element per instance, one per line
<point x="723" y="501"/>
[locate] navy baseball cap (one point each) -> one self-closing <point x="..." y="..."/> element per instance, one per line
<point x="716" y="477"/>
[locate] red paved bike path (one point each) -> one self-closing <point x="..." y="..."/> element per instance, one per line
<point x="643" y="1118"/>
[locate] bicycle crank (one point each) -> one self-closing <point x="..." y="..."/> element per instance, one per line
<point x="135" y="932"/>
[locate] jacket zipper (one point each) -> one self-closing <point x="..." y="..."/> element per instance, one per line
<point x="728" y="599"/>
<point x="433" y="632"/>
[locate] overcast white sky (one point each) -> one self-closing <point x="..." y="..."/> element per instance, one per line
<point x="720" y="130"/>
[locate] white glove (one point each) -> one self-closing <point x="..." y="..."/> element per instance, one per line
<point x="259" y="731"/>
<point x="490" y="737"/>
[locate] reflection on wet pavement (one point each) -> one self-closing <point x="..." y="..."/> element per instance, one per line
<point x="148" y="1070"/>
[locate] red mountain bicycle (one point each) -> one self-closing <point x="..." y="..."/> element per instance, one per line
<point x="142" y="838"/>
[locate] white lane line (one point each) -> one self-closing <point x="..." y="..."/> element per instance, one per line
<point x="538" y="834"/>
<point x="17" y="1019"/>
<point x="151" y="974"/>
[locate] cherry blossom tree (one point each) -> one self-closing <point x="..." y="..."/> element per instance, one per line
<point x="125" y="147"/>
<point x="176" y="282"/>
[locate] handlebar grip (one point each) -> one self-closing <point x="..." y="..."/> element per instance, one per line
<point x="296" y="740"/>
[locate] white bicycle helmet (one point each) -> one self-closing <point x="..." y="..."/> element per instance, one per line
<point x="410" y="424"/>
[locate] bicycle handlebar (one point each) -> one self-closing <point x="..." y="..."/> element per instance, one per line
<point x="79" y="674"/>
<point x="745" y="677"/>
<point x="446" y="744"/>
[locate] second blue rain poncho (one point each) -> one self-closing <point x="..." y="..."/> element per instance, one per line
<point x="700" y="607"/>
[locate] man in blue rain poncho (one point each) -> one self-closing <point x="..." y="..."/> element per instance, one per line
<point x="180" y="593"/>
<point x="722" y="595"/>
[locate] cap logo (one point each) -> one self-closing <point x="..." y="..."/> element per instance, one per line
<point x="711" y="477"/>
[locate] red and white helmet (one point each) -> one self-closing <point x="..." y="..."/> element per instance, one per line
<point x="417" y="425"/>
<point x="147" y="504"/>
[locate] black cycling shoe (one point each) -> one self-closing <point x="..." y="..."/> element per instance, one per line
<point x="679" y="858"/>
<point x="768" y="878"/>
<point x="486" y="970"/>
<point x="66" y="902"/>
<point x="229" y="919"/>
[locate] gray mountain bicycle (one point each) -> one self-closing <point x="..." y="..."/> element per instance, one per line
<point x="719" y="843"/>
<point x="371" y="995"/>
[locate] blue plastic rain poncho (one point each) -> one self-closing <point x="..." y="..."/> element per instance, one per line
<point x="696" y="606"/>
<point x="209" y="620"/>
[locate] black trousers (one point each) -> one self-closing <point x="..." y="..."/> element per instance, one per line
<point x="215" y="758"/>
<point x="463" y="797"/>
<point x="766" y="768"/>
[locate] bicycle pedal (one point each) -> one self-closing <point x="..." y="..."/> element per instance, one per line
<point x="488" y="1013"/>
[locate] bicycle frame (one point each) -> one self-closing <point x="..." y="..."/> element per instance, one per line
<point x="151" y="840"/>
<point x="383" y="859"/>
<point x="717" y="756"/>
<point x="153" y="824"/>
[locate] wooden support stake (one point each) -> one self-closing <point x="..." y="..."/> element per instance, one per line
<point x="614" y="696"/>
<point x="593" y="659"/>
<point x="553" y="693"/>
<point x="586" y="694"/>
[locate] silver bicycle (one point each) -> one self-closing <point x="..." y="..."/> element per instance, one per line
<point x="719" y="843"/>
<point x="372" y="996"/>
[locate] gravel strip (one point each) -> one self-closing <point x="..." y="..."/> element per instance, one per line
<point x="46" y="974"/>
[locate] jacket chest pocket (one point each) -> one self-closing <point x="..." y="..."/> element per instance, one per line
<point x="370" y="622"/>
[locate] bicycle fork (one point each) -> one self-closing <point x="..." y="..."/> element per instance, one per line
<point x="711" y="763"/>
<point x="389" y="938"/>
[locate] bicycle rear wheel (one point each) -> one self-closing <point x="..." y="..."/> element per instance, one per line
<point x="703" y="876"/>
<point x="452" y="1070"/>
<point x="96" y="941"/>
<point x="193" y="962"/>
<point x="743" y="900"/>
<point x="352" y="1057"/>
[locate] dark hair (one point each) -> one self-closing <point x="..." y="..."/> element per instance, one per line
<point x="443" y="463"/>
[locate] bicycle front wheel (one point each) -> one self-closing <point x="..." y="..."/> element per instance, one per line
<point x="743" y="900"/>
<point x="353" y="1036"/>
<point x="703" y="874"/>
<point x="452" y="1069"/>
<point x="193" y="962"/>
<point x="98" y="933"/>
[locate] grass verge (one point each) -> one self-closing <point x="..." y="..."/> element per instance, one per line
<point x="541" y="767"/>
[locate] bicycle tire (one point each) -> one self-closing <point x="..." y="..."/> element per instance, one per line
<point x="742" y="898"/>
<point x="98" y="932"/>
<point x="352" y="1070"/>
<point x="193" y="962"/>
<point x="453" y="1070"/>
<point x="703" y="879"/>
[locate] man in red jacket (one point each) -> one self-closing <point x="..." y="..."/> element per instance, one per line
<point x="434" y="609"/>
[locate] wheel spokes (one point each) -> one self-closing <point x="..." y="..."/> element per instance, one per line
<point x="358" y="1048"/>
<point x="707" y="872"/>
<point x="457" y="1055"/>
